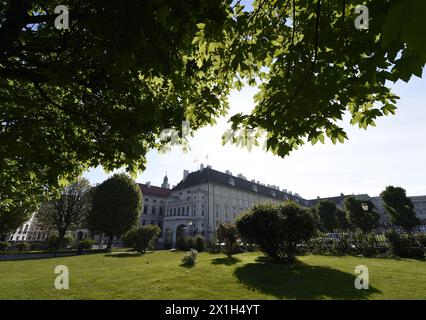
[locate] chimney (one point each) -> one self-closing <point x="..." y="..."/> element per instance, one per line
<point x="201" y="166"/>
<point x="185" y="174"/>
<point x="209" y="166"/>
<point x="148" y="183"/>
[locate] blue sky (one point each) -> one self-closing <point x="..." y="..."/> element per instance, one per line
<point x="392" y="153"/>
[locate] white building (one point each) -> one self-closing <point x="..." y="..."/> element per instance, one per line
<point x="29" y="231"/>
<point x="206" y="198"/>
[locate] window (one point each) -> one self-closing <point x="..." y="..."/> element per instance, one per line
<point x="217" y="211"/>
<point x="179" y="211"/>
<point x="187" y="210"/>
<point x="202" y="213"/>
<point x="153" y="211"/>
<point x="145" y="209"/>
<point x="154" y="200"/>
<point x="161" y="211"/>
<point x="174" y="211"/>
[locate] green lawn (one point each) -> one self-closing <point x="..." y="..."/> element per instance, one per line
<point x="159" y="275"/>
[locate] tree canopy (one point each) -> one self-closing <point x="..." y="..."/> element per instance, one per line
<point x="102" y="92"/>
<point x="327" y="213"/>
<point x="361" y="214"/>
<point x="399" y="207"/>
<point x="116" y="207"/>
<point x="67" y="212"/>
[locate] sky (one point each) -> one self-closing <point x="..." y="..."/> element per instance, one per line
<point x="392" y="153"/>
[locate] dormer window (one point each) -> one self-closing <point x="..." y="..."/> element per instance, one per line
<point x="273" y="193"/>
<point x="231" y="182"/>
<point x="254" y="187"/>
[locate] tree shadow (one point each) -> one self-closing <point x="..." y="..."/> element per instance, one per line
<point x="226" y="261"/>
<point x="123" y="255"/>
<point x="300" y="281"/>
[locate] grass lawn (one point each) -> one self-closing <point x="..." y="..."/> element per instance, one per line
<point x="159" y="275"/>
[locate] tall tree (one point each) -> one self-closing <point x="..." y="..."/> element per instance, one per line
<point x="326" y="211"/>
<point x="227" y="233"/>
<point x="342" y="220"/>
<point x="102" y="92"/>
<point x="116" y="205"/>
<point x="67" y="212"/>
<point x="400" y="208"/>
<point x="361" y="214"/>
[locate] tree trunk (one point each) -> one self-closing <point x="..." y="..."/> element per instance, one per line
<point x="61" y="238"/>
<point x="109" y="246"/>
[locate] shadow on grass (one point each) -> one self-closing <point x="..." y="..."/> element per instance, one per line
<point x="124" y="255"/>
<point x="300" y="281"/>
<point x="226" y="261"/>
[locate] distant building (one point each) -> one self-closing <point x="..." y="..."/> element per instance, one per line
<point x="206" y="198"/>
<point x="29" y="231"/>
<point x="154" y="203"/>
<point x="202" y="200"/>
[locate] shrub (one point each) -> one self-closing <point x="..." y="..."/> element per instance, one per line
<point x="404" y="246"/>
<point x="212" y="247"/>
<point x="277" y="229"/>
<point x="181" y="244"/>
<point x="342" y="246"/>
<point x="227" y="233"/>
<point x="34" y="246"/>
<point x="22" y="246"/>
<point x="190" y="258"/>
<point x="53" y="242"/>
<point x="199" y="243"/>
<point x="190" y="243"/>
<point x="85" y="245"/>
<point x="365" y="244"/>
<point x="141" y="238"/>
<point x="421" y="239"/>
<point x="4" y="246"/>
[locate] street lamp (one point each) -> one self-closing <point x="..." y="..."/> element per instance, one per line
<point x="190" y="227"/>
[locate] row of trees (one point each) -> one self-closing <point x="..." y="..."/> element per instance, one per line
<point x="111" y="208"/>
<point x="362" y="214"/>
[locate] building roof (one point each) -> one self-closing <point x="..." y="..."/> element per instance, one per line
<point x="209" y="175"/>
<point x="339" y="199"/>
<point x="150" y="190"/>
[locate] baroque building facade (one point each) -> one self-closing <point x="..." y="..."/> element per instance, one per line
<point x="202" y="200"/>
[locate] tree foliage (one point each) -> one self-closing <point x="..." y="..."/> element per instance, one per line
<point x="67" y="212"/>
<point x="327" y="213"/>
<point x="227" y="233"/>
<point x="102" y="92"/>
<point x="277" y="229"/>
<point x="364" y="219"/>
<point x="312" y="66"/>
<point x="399" y="207"/>
<point x="342" y="220"/>
<point x="116" y="205"/>
<point x="140" y="238"/>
